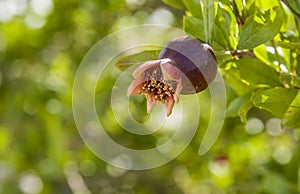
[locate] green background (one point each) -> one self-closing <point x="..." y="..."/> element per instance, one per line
<point x="42" y="43"/>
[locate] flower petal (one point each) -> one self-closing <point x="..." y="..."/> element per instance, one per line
<point x="150" y="104"/>
<point x="170" y="72"/>
<point x="135" y="86"/>
<point x="177" y="91"/>
<point x="144" y="66"/>
<point x="169" y="103"/>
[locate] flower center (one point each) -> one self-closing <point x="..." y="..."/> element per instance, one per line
<point x="155" y="87"/>
<point x="157" y="90"/>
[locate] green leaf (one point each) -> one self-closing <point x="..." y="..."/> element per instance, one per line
<point x="243" y="111"/>
<point x="292" y="116"/>
<point x="296" y="82"/>
<point x="257" y="73"/>
<point x="299" y="178"/>
<point x="233" y="79"/>
<point x="265" y="5"/>
<point x="222" y="29"/>
<point x="285" y="78"/>
<point x="235" y="106"/>
<point x="193" y="26"/>
<point x="275" y="100"/>
<point x="295" y="6"/>
<point x="260" y="28"/>
<point x="262" y="54"/>
<point x="223" y="59"/>
<point x="127" y="61"/>
<point x="290" y="79"/>
<point x="175" y="3"/>
<point x="208" y="13"/>
<point x="194" y="7"/>
<point x="275" y="183"/>
<point x="288" y="45"/>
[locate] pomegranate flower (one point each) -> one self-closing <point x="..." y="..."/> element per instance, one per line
<point x="159" y="81"/>
<point x="185" y="66"/>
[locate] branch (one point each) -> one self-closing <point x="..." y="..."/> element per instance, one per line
<point x="239" y="18"/>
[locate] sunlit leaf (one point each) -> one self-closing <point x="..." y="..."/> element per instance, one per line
<point x="262" y="53"/>
<point x="265" y="5"/>
<point x="275" y="100"/>
<point x="260" y="28"/>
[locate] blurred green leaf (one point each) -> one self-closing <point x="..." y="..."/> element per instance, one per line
<point x="127" y="61"/>
<point x="208" y="13"/>
<point x="298" y="178"/>
<point x="260" y="28"/>
<point x="175" y="3"/>
<point x="243" y="111"/>
<point x="276" y="184"/>
<point x="257" y="73"/>
<point x="275" y="100"/>
<point x="285" y="78"/>
<point x="41" y="150"/>
<point x="291" y="118"/>
<point x="223" y="59"/>
<point x="288" y="45"/>
<point x="296" y="82"/>
<point x="235" y="106"/>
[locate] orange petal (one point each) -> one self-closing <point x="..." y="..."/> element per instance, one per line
<point x="169" y="106"/>
<point x="150" y="105"/>
<point x="135" y="86"/>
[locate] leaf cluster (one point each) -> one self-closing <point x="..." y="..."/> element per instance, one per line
<point x="257" y="44"/>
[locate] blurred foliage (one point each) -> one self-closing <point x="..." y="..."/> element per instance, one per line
<point x="42" y="43"/>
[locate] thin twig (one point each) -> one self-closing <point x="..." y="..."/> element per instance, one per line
<point x="280" y="61"/>
<point x="239" y="18"/>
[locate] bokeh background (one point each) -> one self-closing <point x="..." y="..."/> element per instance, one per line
<point x="42" y="43"/>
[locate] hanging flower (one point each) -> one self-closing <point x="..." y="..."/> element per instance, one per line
<point x="185" y="66"/>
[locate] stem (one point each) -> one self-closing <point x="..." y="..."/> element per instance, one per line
<point x="298" y="65"/>
<point x="297" y="24"/>
<point x="239" y="18"/>
<point x="277" y="54"/>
